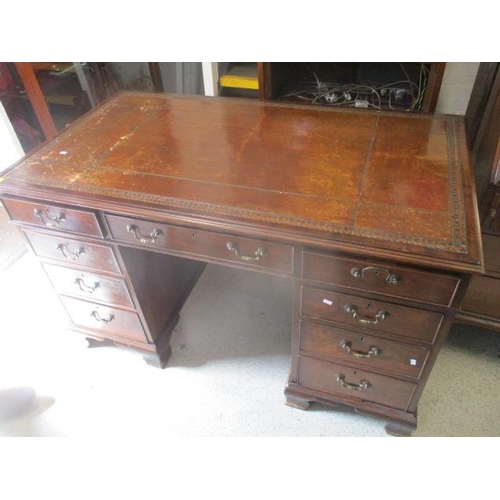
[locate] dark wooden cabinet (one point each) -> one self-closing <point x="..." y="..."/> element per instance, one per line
<point x="396" y="86"/>
<point x="491" y="221"/>
<point x="481" y="305"/>
<point x="380" y="246"/>
<point x="400" y="86"/>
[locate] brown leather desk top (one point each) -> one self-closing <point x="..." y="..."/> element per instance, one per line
<point x="397" y="184"/>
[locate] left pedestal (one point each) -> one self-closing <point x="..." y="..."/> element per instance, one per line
<point x="128" y="296"/>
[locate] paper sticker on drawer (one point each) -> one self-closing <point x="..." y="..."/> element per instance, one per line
<point x="327" y="302"/>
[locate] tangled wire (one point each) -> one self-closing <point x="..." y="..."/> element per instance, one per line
<point x="401" y="95"/>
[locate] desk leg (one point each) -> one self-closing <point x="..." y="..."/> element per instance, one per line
<point x="297" y="402"/>
<point x="163" y="352"/>
<point x="400" y="429"/>
<point x="159" y="359"/>
<point x="92" y="343"/>
<point x="160" y="284"/>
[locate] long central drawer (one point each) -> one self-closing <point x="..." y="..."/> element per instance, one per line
<point x="225" y="247"/>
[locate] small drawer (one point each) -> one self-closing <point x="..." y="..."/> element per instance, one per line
<point x="359" y="348"/>
<point x="246" y="251"/>
<point x="344" y="380"/>
<point x="104" y="319"/>
<point x="88" y="285"/>
<point x="53" y="217"/>
<point x="369" y="314"/>
<point x="72" y="251"/>
<point x="382" y="278"/>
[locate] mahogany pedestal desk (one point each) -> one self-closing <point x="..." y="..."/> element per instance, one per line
<point x="373" y="215"/>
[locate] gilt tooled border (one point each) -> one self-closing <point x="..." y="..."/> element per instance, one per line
<point x="457" y="243"/>
<point x="458" y="213"/>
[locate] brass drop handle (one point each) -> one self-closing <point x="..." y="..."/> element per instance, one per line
<point x="52" y="221"/>
<point x="380" y="316"/>
<point x="373" y="351"/>
<point x="153" y="236"/>
<point x="259" y="253"/>
<point x="353" y="387"/>
<point x="86" y="288"/>
<point x="64" y="249"/>
<point x="392" y="278"/>
<point x="95" y="315"/>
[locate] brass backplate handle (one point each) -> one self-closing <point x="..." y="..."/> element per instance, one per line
<point x="492" y="213"/>
<point x="86" y="288"/>
<point x="95" y="315"/>
<point x="353" y="310"/>
<point x="64" y="249"/>
<point x="51" y="221"/>
<point x="153" y="236"/>
<point x="259" y="253"/>
<point x="353" y="387"/>
<point x="373" y="351"/>
<point x="392" y="278"/>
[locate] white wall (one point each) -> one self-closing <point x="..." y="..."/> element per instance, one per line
<point x="456" y="88"/>
<point x="10" y="147"/>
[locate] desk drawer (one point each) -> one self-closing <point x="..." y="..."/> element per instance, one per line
<point x="73" y="251"/>
<point x="344" y="380"/>
<point x="367" y="350"/>
<point x="53" y="217"/>
<point x="491" y="247"/>
<point x="88" y="285"/>
<point x="373" y="315"/>
<point x="380" y="277"/>
<point x="247" y="251"/>
<point x="104" y="319"/>
<point x="483" y="297"/>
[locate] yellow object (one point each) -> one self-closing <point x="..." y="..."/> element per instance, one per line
<point x="239" y="82"/>
<point x="68" y="100"/>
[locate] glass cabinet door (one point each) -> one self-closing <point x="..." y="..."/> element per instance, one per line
<point x="41" y="98"/>
<point x="65" y="88"/>
<point x="19" y="108"/>
<point x="72" y="88"/>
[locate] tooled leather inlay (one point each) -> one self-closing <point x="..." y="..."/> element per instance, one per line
<point x="453" y="238"/>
